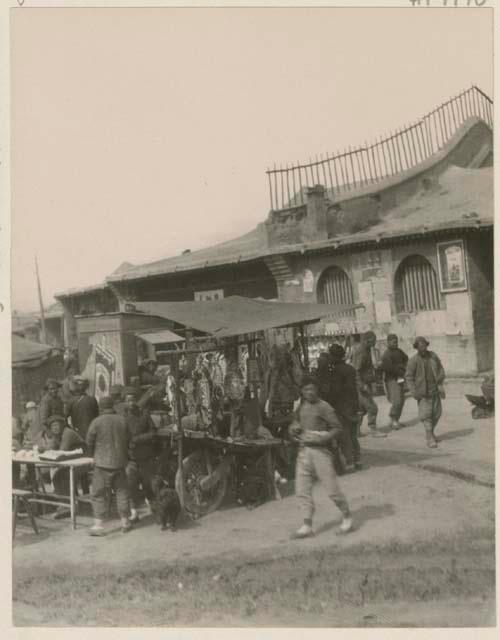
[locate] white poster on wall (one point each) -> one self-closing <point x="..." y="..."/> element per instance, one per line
<point x="308" y="281"/>
<point x="383" y="311"/>
<point x="365" y="291"/>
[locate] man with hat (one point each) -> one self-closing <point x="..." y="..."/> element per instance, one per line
<point x="147" y="373"/>
<point x="51" y="402"/>
<point x="394" y="361"/>
<point x="314" y="429"/>
<point x="365" y="376"/>
<point x="81" y="407"/>
<point x="31" y="426"/>
<point x="116" y="395"/>
<point x="108" y="442"/>
<point x="142" y="455"/>
<point x="345" y="401"/>
<point x="425" y="377"/>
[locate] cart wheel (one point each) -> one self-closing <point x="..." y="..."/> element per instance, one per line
<point x="196" y="501"/>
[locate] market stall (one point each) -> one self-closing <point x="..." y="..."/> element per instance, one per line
<point x="32" y="364"/>
<point x="231" y="386"/>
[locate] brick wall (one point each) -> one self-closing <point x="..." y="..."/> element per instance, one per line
<point x="480" y="271"/>
<point x="450" y="329"/>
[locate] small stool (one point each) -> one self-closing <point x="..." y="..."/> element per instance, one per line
<point x="21" y="496"/>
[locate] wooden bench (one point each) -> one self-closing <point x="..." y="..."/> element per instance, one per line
<point x="20" y="496"/>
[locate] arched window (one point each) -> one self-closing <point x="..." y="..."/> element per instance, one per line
<point x="334" y="287"/>
<point x="416" y="285"/>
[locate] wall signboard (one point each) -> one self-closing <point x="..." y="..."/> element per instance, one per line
<point x="452" y="267"/>
<point x="308" y="281"/>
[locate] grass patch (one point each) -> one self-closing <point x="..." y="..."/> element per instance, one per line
<point x="313" y="583"/>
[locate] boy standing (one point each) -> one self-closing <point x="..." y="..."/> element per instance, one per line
<point x="315" y="428"/>
<point x="108" y="442"/>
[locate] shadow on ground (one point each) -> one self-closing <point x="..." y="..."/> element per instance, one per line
<point x="362" y="516"/>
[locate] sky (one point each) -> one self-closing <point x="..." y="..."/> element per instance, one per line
<point x="139" y="133"/>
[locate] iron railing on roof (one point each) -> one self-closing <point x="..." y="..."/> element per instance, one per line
<point x="400" y="151"/>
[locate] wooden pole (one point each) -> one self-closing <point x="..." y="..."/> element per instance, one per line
<point x="178" y="421"/>
<point x="40" y="301"/>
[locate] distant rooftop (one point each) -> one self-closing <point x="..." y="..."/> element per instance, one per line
<point x="362" y="172"/>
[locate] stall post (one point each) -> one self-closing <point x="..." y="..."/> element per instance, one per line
<point x="178" y="421"/>
<point x="305" y="347"/>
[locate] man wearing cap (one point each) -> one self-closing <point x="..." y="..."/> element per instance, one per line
<point x="394" y="361"/>
<point x="345" y="401"/>
<point x="81" y="407"/>
<point x="108" y="442"/>
<point x="314" y="429"/>
<point x="141" y="466"/>
<point x="425" y="377"/>
<point x="147" y="373"/>
<point x="31" y="426"/>
<point x="116" y="395"/>
<point x="51" y="402"/>
<point x="365" y="377"/>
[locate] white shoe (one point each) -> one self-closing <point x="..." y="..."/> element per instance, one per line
<point x="346" y="525"/>
<point x="97" y="529"/>
<point x="305" y="531"/>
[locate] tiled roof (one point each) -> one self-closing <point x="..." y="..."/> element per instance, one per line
<point x="462" y="198"/>
<point x="245" y="247"/>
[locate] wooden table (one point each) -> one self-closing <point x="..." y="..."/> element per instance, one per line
<point x="61" y="501"/>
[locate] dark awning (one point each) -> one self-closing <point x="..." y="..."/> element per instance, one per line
<point x="237" y="315"/>
<point x="26" y="351"/>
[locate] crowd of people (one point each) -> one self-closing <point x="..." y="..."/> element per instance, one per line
<point x="121" y="436"/>
<point x="334" y="401"/>
<point x="117" y="432"/>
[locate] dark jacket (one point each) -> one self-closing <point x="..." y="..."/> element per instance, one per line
<point x="50" y="406"/>
<point x="362" y="363"/>
<point x="394" y="363"/>
<point x="142" y="433"/>
<point x="82" y="410"/>
<point x="108" y="441"/>
<point x="415" y="374"/>
<point x="344" y="392"/>
<point x="71" y="440"/>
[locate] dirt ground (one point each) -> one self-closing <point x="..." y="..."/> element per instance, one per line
<point x="407" y="495"/>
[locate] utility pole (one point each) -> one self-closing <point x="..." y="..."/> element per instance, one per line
<point x="40" y="301"/>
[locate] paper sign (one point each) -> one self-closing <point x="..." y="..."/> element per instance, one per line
<point x="365" y="293"/>
<point x="383" y="311"/>
<point x="308" y="281"/>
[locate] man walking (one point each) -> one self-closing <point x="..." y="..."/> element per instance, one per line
<point x="365" y="376"/>
<point x="107" y="441"/>
<point x="314" y="428"/>
<point x="394" y="361"/>
<point x="425" y="377"/>
<point x="345" y="401"/>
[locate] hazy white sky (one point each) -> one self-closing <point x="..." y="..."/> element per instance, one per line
<point x="139" y="133"/>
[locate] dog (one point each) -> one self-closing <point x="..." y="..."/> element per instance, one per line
<point x="167" y="505"/>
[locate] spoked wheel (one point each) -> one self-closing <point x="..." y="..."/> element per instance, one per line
<point x="197" y="501"/>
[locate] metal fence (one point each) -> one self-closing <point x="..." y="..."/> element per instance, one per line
<point x="403" y="149"/>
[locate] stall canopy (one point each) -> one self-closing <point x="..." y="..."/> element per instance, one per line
<point x="26" y="352"/>
<point x="160" y="337"/>
<point x="237" y="315"/>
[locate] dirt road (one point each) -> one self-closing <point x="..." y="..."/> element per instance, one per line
<point x="395" y="501"/>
